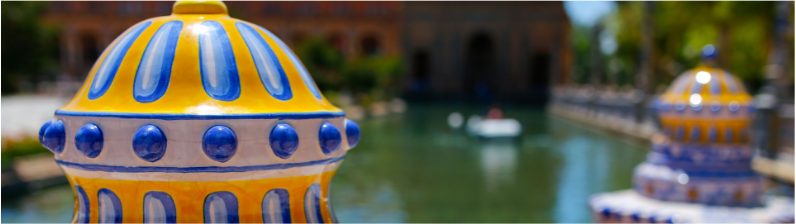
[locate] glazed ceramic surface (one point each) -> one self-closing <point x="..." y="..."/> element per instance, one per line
<point x="699" y="167"/>
<point x="199" y="117"/>
<point x="703" y="154"/>
<point x="706" y="105"/>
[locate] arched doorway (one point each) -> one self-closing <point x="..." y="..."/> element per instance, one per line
<point x="480" y="67"/>
<point x="91" y="52"/>
<point x="336" y="40"/>
<point x="539" y="77"/>
<point x="420" y="72"/>
<point x="370" y="45"/>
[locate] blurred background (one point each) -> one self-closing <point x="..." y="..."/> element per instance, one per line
<point x="415" y="74"/>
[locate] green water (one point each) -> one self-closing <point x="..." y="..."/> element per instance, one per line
<point x="412" y="167"/>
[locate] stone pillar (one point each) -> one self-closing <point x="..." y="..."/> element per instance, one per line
<point x="596" y="56"/>
<point x="777" y="80"/>
<point x="351" y="42"/>
<point x="71" y="56"/>
<point x="643" y="81"/>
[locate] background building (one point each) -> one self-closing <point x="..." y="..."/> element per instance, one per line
<point x="509" y="49"/>
<point x="449" y="49"/>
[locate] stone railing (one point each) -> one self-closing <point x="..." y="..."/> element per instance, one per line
<point x="623" y="111"/>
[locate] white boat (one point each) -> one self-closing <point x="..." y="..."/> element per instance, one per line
<point x="493" y="128"/>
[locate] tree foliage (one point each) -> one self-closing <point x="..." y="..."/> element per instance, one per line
<point x="29" y="47"/>
<point x="741" y="31"/>
<point x="372" y="77"/>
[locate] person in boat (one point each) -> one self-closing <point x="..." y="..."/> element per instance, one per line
<point x="494" y="112"/>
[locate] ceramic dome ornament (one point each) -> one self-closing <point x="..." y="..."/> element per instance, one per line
<point x="199" y="117"/>
<point x="699" y="168"/>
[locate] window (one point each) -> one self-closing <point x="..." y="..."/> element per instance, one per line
<point x="370" y="45"/>
<point x="272" y="9"/>
<point x="96" y="7"/>
<point x="340" y="9"/>
<point x="307" y="9"/>
<point x="90" y="50"/>
<point x="59" y="7"/>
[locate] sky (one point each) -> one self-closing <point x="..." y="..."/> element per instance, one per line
<point x="588" y="12"/>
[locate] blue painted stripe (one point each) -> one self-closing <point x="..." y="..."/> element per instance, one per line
<point x="159" y="208"/>
<point x="702" y="147"/>
<point x="728" y="135"/>
<point x="312" y="204"/>
<point x="271" y="73"/>
<point x="221" y="207"/>
<point x="680" y="133"/>
<point x="154" y="70"/>
<point x="714" y="84"/>
<point x="697" y="87"/>
<point x="712" y="134"/>
<point x="696" y="134"/>
<point x="747" y="107"/>
<point x="736" y="174"/>
<point x="198" y="169"/>
<point x="329" y="205"/>
<point x="308" y="115"/>
<point x="731" y="84"/>
<point x="217" y="62"/>
<point x="109" y="206"/>
<point x="110" y="65"/>
<point x="681" y="83"/>
<point x="83" y="206"/>
<point x="276" y="206"/>
<point x="296" y="63"/>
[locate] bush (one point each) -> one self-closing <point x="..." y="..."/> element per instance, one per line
<point x="368" y="78"/>
<point x="13" y="149"/>
<point x="29" y="47"/>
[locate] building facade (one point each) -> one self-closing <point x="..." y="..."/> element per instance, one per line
<point x="450" y="49"/>
<point x="483" y="49"/>
<point x="355" y="27"/>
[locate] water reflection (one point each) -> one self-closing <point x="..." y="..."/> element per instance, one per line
<point x="593" y="163"/>
<point x="436" y="174"/>
<point x="498" y="163"/>
<point x="55" y="204"/>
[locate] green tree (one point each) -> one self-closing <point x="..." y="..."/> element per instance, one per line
<point x="740" y="30"/>
<point x="369" y="78"/>
<point x="29" y="47"/>
<point x="323" y="62"/>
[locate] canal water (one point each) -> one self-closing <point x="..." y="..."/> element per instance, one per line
<point x="413" y="167"/>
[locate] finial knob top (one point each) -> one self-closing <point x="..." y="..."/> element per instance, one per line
<point x="199" y="7"/>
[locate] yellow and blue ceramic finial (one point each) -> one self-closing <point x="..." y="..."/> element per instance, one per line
<point x="702" y="157"/>
<point x="199" y="117"/>
<point x="708" y="52"/>
<point x="199" y="7"/>
<point x="703" y="154"/>
<point x="706" y="104"/>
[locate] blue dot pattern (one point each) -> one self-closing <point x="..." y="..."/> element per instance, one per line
<point x="54" y="137"/>
<point x="329" y="138"/>
<point x="89" y="140"/>
<point x="284" y="140"/>
<point x="220" y="143"/>
<point x="351" y="133"/>
<point x="42" y="130"/>
<point x="149" y="143"/>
